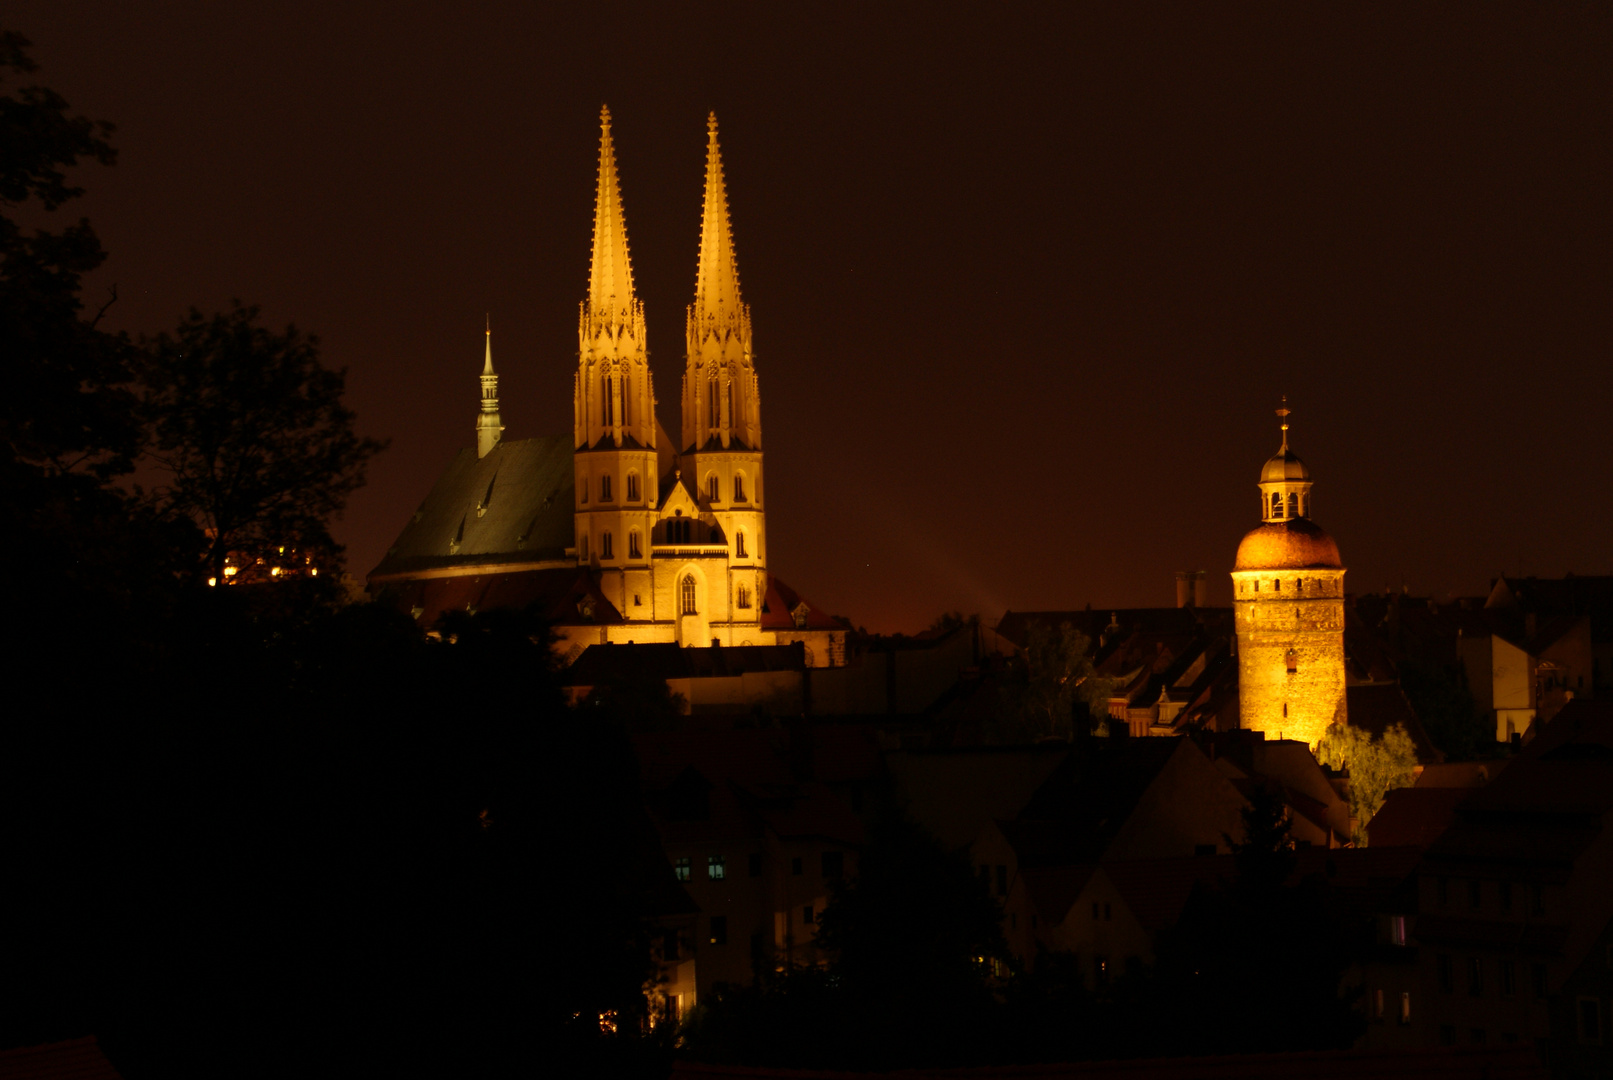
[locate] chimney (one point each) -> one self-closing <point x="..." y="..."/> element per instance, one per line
<point x="1192" y="589"/>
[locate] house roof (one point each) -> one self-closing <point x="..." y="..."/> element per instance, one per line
<point x="1414" y="816"/>
<point x="72" y="1059"/>
<point x="956" y="794"/>
<point x="1084" y="802"/>
<point x="668" y="660"/>
<point x="780" y="604"/>
<point x="512" y="506"/>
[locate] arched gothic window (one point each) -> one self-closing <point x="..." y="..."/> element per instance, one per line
<point x="739" y="545"/>
<point x="627" y="400"/>
<point x="605" y="547"/>
<point x="731" y="417"/>
<point x="606" y="398"/>
<point x="711" y="402"/>
<point x="632" y="487"/>
<point x="739" y="488"/>
<point x="687" y="591"/>
<point x="604" y="488"/>
<point x="741" y="597"/>
<point x="634" y="551"/>
<point x="713" y="487"/>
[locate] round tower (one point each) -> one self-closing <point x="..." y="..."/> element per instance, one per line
<point x="1288" y="596"/>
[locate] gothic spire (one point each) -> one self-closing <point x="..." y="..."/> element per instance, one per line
<point x="487" y="368"/>
<point x="717" y="282"/>
<point x="610" y="281"/>
<point x="489" y="425"/>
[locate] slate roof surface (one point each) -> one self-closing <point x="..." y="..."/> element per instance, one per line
<point x="514" y="505"/>
<point x="564" y="595"/>
<point x="668" y="660"/>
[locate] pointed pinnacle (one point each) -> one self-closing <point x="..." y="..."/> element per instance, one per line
<point x="487" y="368"/>
<point x="717" y="279"/>
<point x="610" y="281"/>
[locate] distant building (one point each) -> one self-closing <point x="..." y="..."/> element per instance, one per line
<point x="617" y="534"/>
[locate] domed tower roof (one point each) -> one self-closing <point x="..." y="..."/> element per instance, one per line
<point x="1288" y="540"/>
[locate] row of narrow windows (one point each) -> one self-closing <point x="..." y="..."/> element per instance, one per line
<point x="713" y="489"/>
<point x="687" y="593"/>
<point x="1293" y="506"/>
<point x="678" y="531"/>
<point x="1317" y="586"/>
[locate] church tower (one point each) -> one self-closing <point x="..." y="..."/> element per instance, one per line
<point x="613" y="407"/>
<point x="489" y="428"/>
<point x="722" y="419"/>
<point x="1288" y="599"/>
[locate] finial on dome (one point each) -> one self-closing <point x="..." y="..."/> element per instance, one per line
<point x="1283" y="414"/>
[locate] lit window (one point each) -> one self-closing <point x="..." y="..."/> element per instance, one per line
<point x="1397" y="929"/>
<point x="717" y="867"/>
<point x="719" y="929"/>
<point x="632" y="487"/>
<point x="633" y="550"/>
<point x="605" y="547"/>
<point x="1405" y="1006"/>
<point x="680" y="867"/>
<point x="1377" y="1004"/>
<point x="739" y="489"/>
<point x="604" y="488"/>
<point x="687" y="590"/>
<point x="739" y="545"/>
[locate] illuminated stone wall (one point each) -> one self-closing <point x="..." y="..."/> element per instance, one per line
<point x="1290" y="626"/>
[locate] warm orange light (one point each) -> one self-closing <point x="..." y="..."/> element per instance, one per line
<point x="275" y="572"/>
<point x="231" y="571"/>
<point x="212" y="581"/>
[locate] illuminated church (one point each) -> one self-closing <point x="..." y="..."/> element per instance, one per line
<point x="617" y="534"/>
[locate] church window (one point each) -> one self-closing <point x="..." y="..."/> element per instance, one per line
<point x="739" y="488"/>
<point x="632" y="487"/>
<point x="633" y="549"/>
<point x="730" y="401"/>
<point x="627" y="399"/>
<point x="739" y="545"/>
<point x="713" y="487"/>
<point x="711" y="402"/>
<point x="1293" y="504"/>
<point x="605" y="546"/>
<point x="742" y="597"/>
<point x="604" y="488"/>
<point x="607" y="399"/>
<point x="687" y="590"/>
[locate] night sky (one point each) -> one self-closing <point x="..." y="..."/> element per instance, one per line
<point x="1027" y="283"/>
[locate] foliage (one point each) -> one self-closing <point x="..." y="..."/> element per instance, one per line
<point x="250" y="430"/>
<point x="1376" y="767"/>
<point x="1442" y="701"/>
<point x="1054" y="691"/>
<point x="952" y="620"/>
<point x="907" y="943"/>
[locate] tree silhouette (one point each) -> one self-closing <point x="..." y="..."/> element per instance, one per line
<point x="250" y="430"/>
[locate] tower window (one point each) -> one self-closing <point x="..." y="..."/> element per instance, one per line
<point x="739" y="488"/>
<point x="730" y="389"/>
<point x="1276" y="504"/>
<point x="741" y="597"/>
<point x="739" y="545"/>
<point x="605" y="546"/>
<point x="607" y="399"/>
<point x="711" y="402"/>
<point x="1276" y="584"/>
<point x="686" y="589"/>
<point x="627" y="398"/>
<point x="1293" y="504"/>
<point x="1293" y="664"/>
<point x="713" y="487"/>
<point x="632" y="487"/>
<point x="633" y="550"/>
<point x="604" y="488"/>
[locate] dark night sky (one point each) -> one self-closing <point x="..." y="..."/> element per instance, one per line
<point x="1027" y="282"/>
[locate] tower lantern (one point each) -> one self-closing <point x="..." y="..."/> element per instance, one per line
<point x="1288" y="599"/>
<point x="489" y="427"/>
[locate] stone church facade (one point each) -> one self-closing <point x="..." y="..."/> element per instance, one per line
<point x="618" y="534"/>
